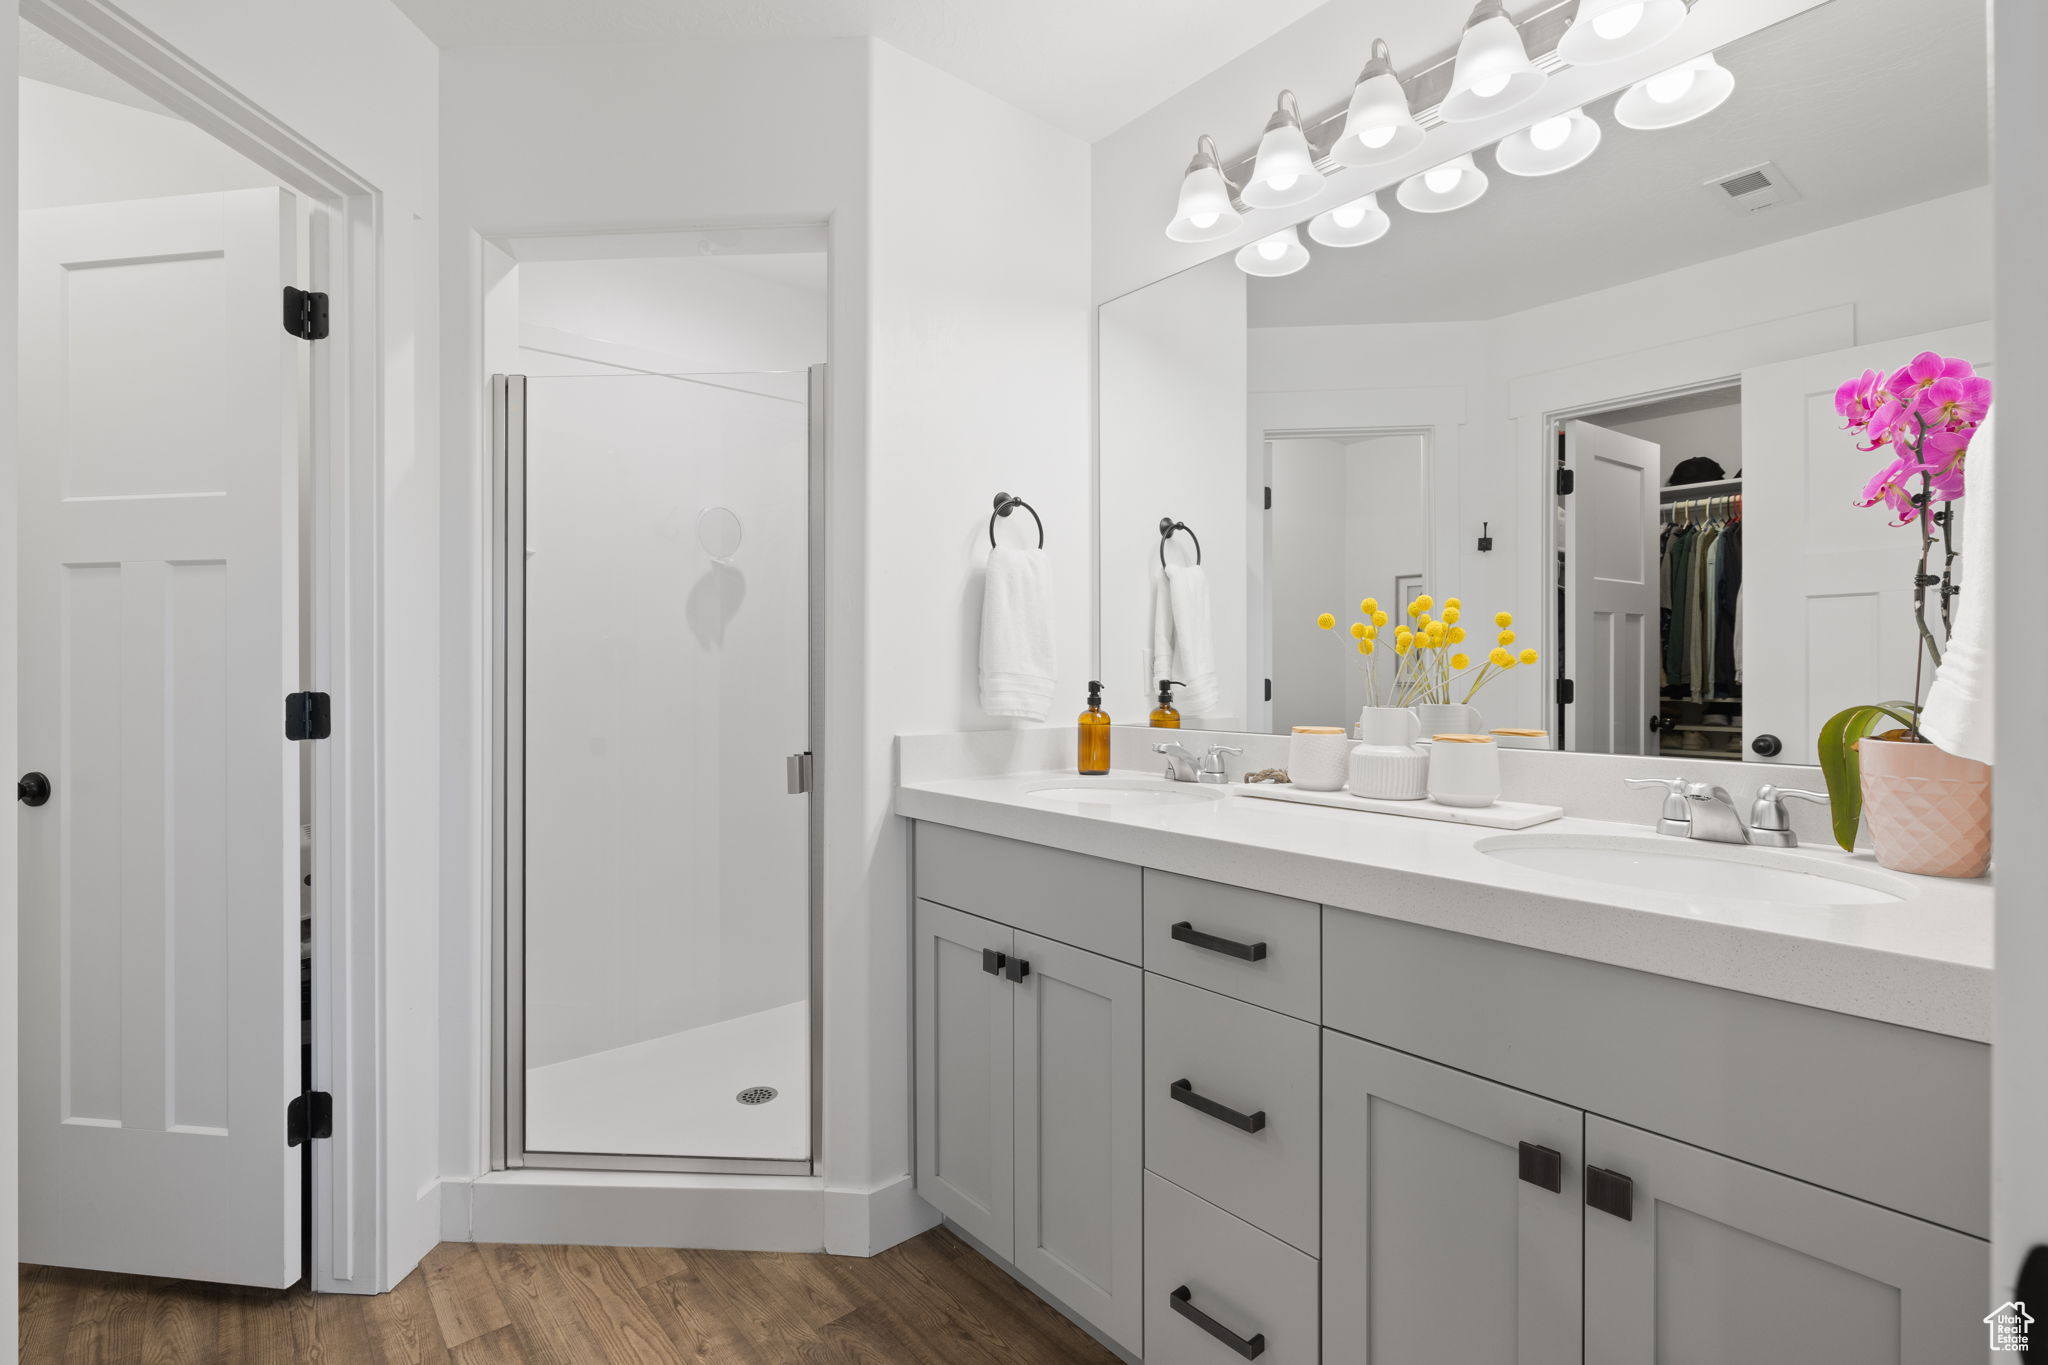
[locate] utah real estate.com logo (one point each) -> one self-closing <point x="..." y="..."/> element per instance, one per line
<point x="2008" y="1324"/>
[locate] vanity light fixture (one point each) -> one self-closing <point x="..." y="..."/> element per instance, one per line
<point x="1493" y="73"/>
<point x="1284" y="173"/>
<point x="1280" y="253"/>
<point x="1353" y="224"/>
<point x="1679" y="95"/>
<point x="1440" y="189"/>
<point x="1609" y="30"/>
<point x="1549" y="146"/>
<point x="1379" y="126"/>
<point x="1205" y="211"/>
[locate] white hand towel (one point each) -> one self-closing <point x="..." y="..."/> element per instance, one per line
<point x="1194" y="639"/>
<point x="1018" y="667"/>
<point x="1958" y="714"/>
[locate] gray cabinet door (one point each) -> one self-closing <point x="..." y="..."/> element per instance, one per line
<point x="965" y="1116"/>
<point x="1721" y="1261"/>
<point x="1432" y="1240"/>
<point x="1080" y="1136"/>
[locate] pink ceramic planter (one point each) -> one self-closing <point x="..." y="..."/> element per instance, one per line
<point x="1929" y="811"/>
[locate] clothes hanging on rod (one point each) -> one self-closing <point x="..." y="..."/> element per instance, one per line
<point x="1699" y="580"/>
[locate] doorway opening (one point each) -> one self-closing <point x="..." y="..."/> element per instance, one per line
<point x="657" y="413"/>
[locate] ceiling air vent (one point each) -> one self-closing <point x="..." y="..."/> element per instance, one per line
<point x="1754" y="188"/>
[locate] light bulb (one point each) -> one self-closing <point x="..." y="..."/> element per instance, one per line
<point x="1377" y="138"/>
<point x="1272" y="250"/>
<point x="1204" y="220"/>
<point x="1348" y="215"/>
<point x="1552" y="133"/>
<point x="1618" y="22"/>
<point x="1442" y="179"/>
<point x="1281" y="183"/>
<point x="1486" y="87"/>
<point x="1668" y="86"/>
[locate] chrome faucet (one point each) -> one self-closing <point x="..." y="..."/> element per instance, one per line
<point x="1714" y="815"/>
<point x="1701" y="810"/>
<point x="1183" y="766"/>
<point x="1769" y="825"/>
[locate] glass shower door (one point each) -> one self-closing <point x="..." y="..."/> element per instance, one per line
<point x="659" y="907"/>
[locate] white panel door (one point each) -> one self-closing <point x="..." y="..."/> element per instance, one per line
<point x="1830" y="623"/>
<point x="1612" y="632"/>
<point x="159" y="636"/>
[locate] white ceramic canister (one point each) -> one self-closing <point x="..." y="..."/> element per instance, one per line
<point x="1464" y="770"/>
<point x="1389" y="764"/>
<point x="1318" y="757"/>
<point x="1449" y="718"/>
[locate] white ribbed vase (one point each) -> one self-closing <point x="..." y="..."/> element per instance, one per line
<point x="1389" y="765"/>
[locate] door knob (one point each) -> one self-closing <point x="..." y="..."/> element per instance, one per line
<point x="1770" y="746"/>
<point x="32" y="790"/>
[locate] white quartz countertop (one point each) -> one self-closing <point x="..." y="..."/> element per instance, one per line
<point x="1923" y="961"/>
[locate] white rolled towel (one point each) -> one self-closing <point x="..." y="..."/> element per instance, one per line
<point x="1958" y="712"/>
<point x="1018" y="665"/>
<point x="1194" y="639"/>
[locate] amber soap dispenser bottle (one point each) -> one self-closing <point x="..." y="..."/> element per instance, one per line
<point x="1164" y="717"/>
<point x="1094" y="745"/>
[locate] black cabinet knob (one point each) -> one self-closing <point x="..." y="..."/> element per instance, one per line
<point x="1769" y="746"/>
<point x="32" y="790"/>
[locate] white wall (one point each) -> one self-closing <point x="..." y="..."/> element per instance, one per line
<point x="959" y="352"/>
<point x="10" y="618"/>
<point x="699" y="316"/>
<point x="1172" y="443"/>
<point x="81" y="149"/>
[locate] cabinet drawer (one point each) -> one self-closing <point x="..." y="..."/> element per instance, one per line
<point x="1894" y="1115"/>
<point x="1233" y="1106"/>
<point x="1218" y="1291"/>
<point x="1256" y="946"/>
<point x="1089" y="902"/>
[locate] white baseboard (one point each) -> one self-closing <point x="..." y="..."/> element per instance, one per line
<point x="716" y="1212"/>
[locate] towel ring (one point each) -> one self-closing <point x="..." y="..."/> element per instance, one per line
<point x="1005" y="504"/>
<point x="1167" y="526"/>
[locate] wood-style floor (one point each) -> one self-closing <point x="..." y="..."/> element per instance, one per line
<point x="931" y="1301"/>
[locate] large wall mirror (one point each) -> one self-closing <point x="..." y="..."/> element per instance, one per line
<point x="1599" y="401"/>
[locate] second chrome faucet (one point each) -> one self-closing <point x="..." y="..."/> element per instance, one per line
<point x="1702" y="810"/>
<point x="1183" y="766"/>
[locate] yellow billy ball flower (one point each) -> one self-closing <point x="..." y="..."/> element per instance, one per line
<point x="1401" y="646"/>
<point x="1425" y="601"/>
<point x="1367" y="646"/>
<point x="1461" y="661"/>
<point x="1500" y="658"/>
<point x="1369" y="605"/>
<point x="1453" y="603"/>
<point x="1402" y="632"/>
<point x="1504" y="619"/>
<point x="1379" y="618"/>
<point x="1372" y="632"/>
<point x="1451" y="613"/>
<point x="1325" y="621"/>
<point x="1507" y="637"/>
<point x="1457" y="635"/>
<point x="1358" y="630"/>
<point x="1528" y="656"/>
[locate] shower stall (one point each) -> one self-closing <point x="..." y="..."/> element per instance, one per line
<point x="658" y="648"/>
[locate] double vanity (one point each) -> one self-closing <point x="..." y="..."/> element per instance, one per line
<point x="1230" y="1079"/>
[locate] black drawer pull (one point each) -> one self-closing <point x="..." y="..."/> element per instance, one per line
<point x="1184" y="1091"/>
<point x="1542" y="1167"/>
<point x="1187" y="933"/>
<point x="1611" y="1192"/>
<point x="1183" y="1301"/>
<point x="992" y="961"/>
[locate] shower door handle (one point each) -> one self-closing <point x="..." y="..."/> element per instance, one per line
<point x="799" y="773"/>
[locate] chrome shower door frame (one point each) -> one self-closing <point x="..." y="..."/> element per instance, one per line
<point x="507" y="614"/>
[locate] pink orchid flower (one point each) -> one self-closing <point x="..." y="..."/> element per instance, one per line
<point x="1892" y="486"/>
<point x="1923" y="370"/>
<point x="1954" y="403"/>
<point x="1857" y="399"/>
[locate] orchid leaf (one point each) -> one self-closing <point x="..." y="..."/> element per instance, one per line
<point x="1841" y="766"/>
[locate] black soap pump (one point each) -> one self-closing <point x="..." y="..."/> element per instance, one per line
<point x="1164" y="717"/>
<point x="1094" y="740"/>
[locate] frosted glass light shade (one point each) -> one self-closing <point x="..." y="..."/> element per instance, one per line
<point x="1679" y="95"/>
<point x="1281" y="253"/>
<point x="1205" y="211"/>
<point x="1609" y="30"/>
<point x="1379" y="126"/>
<point x="1441" y="189"/>
<point x="1553" y="145"/>
<point x="1493" y="73"/>
<point x="1353" y="224"/>
<point x="1284" y="172"/>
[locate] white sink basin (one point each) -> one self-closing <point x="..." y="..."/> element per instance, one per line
<point x="1697" y="869"/>
<point x="1114" y="791"/>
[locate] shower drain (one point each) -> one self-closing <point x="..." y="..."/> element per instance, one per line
<point x="757" y="1094"/>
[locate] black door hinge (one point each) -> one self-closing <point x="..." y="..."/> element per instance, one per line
<point x="1269" y="689"/>
<point x="1566" y="692"/>
<point x="1269" y="497"/>
<point x="305" y="313"/>
<point x="1565" y="480"/>
<point x="308" y="715"/>
<point x="310" y="1115"/>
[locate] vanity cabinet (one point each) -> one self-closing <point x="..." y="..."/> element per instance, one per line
<point x="1029" y="1107"/>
